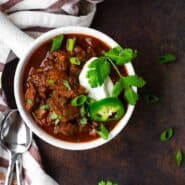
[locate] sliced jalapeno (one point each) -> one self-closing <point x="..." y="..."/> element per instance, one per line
<point x="108" y="109"/>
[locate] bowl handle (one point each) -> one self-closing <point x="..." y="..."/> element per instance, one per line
<point x="13" y="37"/>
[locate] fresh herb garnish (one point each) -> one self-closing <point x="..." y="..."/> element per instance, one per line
<point x="29" y="101"/>
<point x="57" y="121"/>
<point x="55" y="117"/>
<point x="167" y="134"/>
<point x="82" y="111"/>
<point x="50" y="81"/>
<point x="67" y="85"/>
<point x="79" y="100"/>
<point x="103" y="131"/>
<point x="106" y="183"/>
<point x="57" y="42"/>
<point x="99" y="69"/>
<point x="151" y="98"/>
<point x="131" y="96"/>
<point x="74" y="60"/>
<point x="168" y="58"/>
<point x="126" y="83"/>
<point x="83" y="121"/>
<point x="121" y="56"/>
<point x="71" y="44"/>
<point x="134" y="80"/>
<point x="179" y="157"/>
<point x="44" y="107"/>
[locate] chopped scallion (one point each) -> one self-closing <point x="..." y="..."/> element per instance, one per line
<point x="151" y="98"/>
<point x="71" y="44"/>
<point x="67" y="85"/>
<point x="74" y="60"/>
<point x="168" y="58"/>
<point x="179" y="157"/>
<point x="57" y="42"/>
<point x="53" y="116"/>
<point x="29" y="101"/>
<point x="44" y="107"/>
<point x="51" y="81"/>
<point x="83" y="121"/>
<point x="167" y="134"/>
<point x="79" y="100"/>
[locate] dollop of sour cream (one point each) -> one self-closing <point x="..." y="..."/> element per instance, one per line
<point x="99" y="92"/>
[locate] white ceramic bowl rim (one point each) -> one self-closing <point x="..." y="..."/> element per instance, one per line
<point x="19" y="96"/>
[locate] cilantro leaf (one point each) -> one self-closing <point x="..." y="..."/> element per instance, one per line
<point x="126" y="82"/>
<point x="131" y="96"/>
<point x="103" y="131"/>
<point x="118" y="88"/>
<point x="121" y="56"/>
<point x="106" y="183"/>
<point x="134" y="80"/>
<point x="98" y="71"/>
<point x="164" y="59"/>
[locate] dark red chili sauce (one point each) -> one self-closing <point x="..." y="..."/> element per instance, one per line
<point x="43" y="85"/>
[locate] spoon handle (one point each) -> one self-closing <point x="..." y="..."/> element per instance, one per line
<point x="19" y="170"/>
<point x="9" y="175"/>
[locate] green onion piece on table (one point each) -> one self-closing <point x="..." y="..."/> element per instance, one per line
<point x="167" y="134"/>
<point x="168" y="58"/>
<point x="179" y="157"/>
<point x="151" y="98"/>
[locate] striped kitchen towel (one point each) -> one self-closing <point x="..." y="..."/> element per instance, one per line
<point x="35" y="17"/>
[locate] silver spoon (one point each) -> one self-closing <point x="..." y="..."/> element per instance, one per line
<point x="16" y="138"/>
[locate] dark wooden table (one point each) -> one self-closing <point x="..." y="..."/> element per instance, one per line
<point x="136" y="156"/>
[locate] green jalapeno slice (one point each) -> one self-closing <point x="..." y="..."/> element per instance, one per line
<point x="108" y="109"/>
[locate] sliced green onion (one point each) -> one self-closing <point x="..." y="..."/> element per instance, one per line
<point x="57" y="121"/>
<point x="167" y="134"/>
<point x="83" y="121"/>
<point x="82" y="111"/>
<point x="168" y="58"/>
<point x="67" y="85"/>
<point x="151" y="98"/>
<point x="44" y="107"/>
<point x="179" y="157"/>
<point x="53" y="116"/>
<point x="51" y="81"/>
<point x="29" y="101"/>
<point x="57" y="42"/>
<point x="79" y="100"/>
<point x="71" y="44"/>
<point x="103" y="131"/>
<point x="74" y="60"/>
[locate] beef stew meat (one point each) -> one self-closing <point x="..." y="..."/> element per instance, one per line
<point x="51" y="82"/>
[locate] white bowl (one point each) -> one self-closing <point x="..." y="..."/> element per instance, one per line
<point x="19" y="96"/>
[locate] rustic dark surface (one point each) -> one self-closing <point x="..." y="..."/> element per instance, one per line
<point x="136" y="156"/>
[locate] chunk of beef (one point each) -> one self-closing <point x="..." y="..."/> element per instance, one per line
<point x="30" y="96"/>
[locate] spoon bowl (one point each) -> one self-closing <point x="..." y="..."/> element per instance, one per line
<point x="16" y="138"/>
